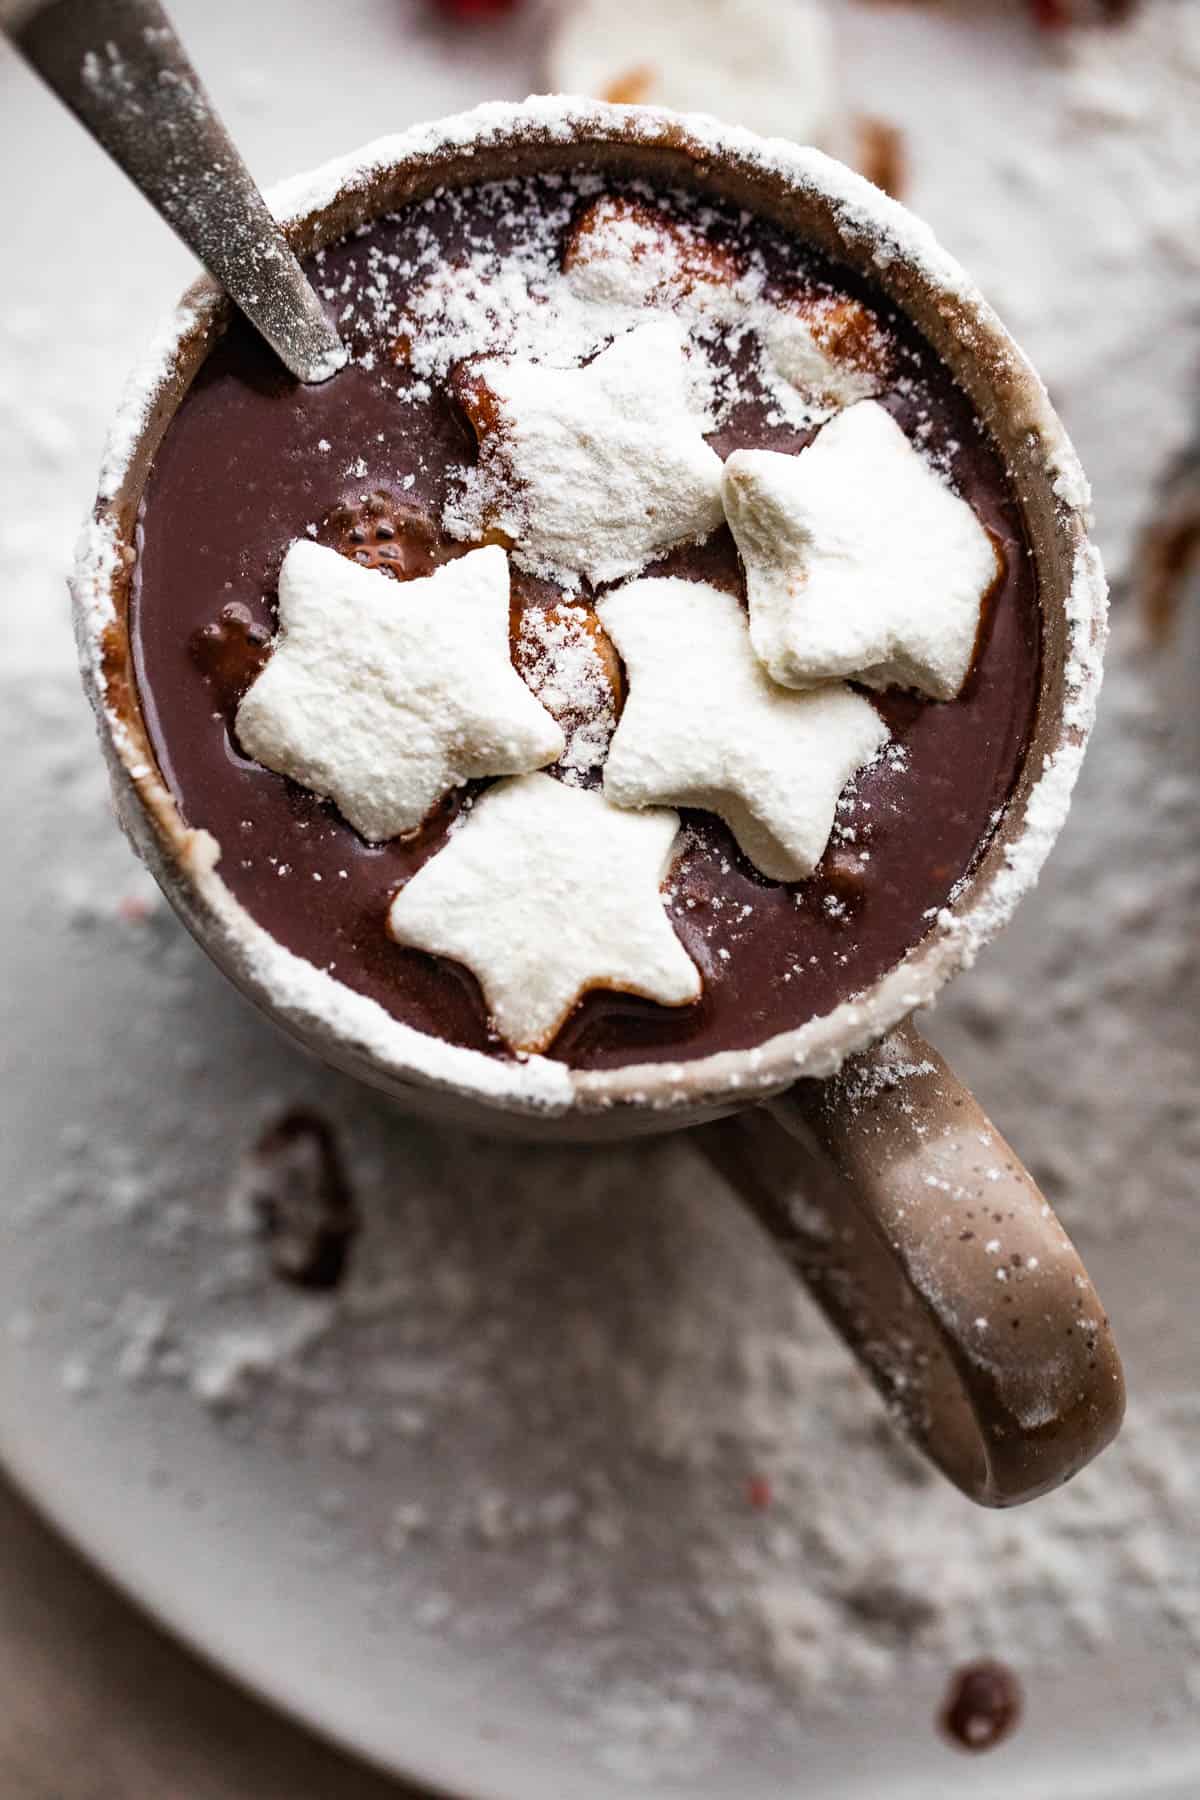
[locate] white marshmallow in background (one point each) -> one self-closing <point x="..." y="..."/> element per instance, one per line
<point x="765" y="64"/>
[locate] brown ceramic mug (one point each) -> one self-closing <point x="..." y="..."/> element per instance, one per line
<point x="925" y="1241"/>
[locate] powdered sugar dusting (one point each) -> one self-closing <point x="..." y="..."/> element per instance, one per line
<point x="151" y="370"/>
<point x="559" y="655"/>
<point x="1050" y="799"/>
<point x="533" y="303"/>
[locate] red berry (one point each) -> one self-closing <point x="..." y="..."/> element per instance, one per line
<point x="1056" y="15"/>
<point x="758" y="1492"/>
<point x="474" y="9"/>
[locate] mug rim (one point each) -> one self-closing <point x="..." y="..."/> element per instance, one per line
<point x="860" y="226"/>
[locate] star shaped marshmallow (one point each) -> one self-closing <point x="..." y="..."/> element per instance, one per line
<point x="705" y="726"/>
<point x="545" y="891"/>
<point x="595" y="470"/>
<point x="383" y="695"/>
<point x="859" y="560"/>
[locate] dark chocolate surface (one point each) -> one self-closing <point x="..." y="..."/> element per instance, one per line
<point x="253" y="460"/>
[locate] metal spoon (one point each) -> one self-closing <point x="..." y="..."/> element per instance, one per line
<point x="122" y="71"/>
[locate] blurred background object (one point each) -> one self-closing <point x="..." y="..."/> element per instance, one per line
<point x="758" y="63"/>
<point x="561" y="1474"/>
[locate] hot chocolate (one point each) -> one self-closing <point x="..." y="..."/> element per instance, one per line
<point x="470" y="317"/>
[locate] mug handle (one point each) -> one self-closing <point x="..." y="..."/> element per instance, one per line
<point x="931" y="1250"/>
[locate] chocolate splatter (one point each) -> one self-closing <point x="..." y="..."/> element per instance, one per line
<point x="982" y="1706"/>
<point x="1169" y="552"/>
<point x="294" y="1188"/>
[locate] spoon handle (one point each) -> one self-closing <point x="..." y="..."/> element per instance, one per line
<point x="119" y="67"/>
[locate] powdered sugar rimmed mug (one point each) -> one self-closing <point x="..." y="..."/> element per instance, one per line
<point x="923" y="1238"/>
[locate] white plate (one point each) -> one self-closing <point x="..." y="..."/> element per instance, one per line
<point x="489" y="1519"/>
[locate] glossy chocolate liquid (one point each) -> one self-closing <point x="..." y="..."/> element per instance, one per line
<point x="253" y="460"/>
